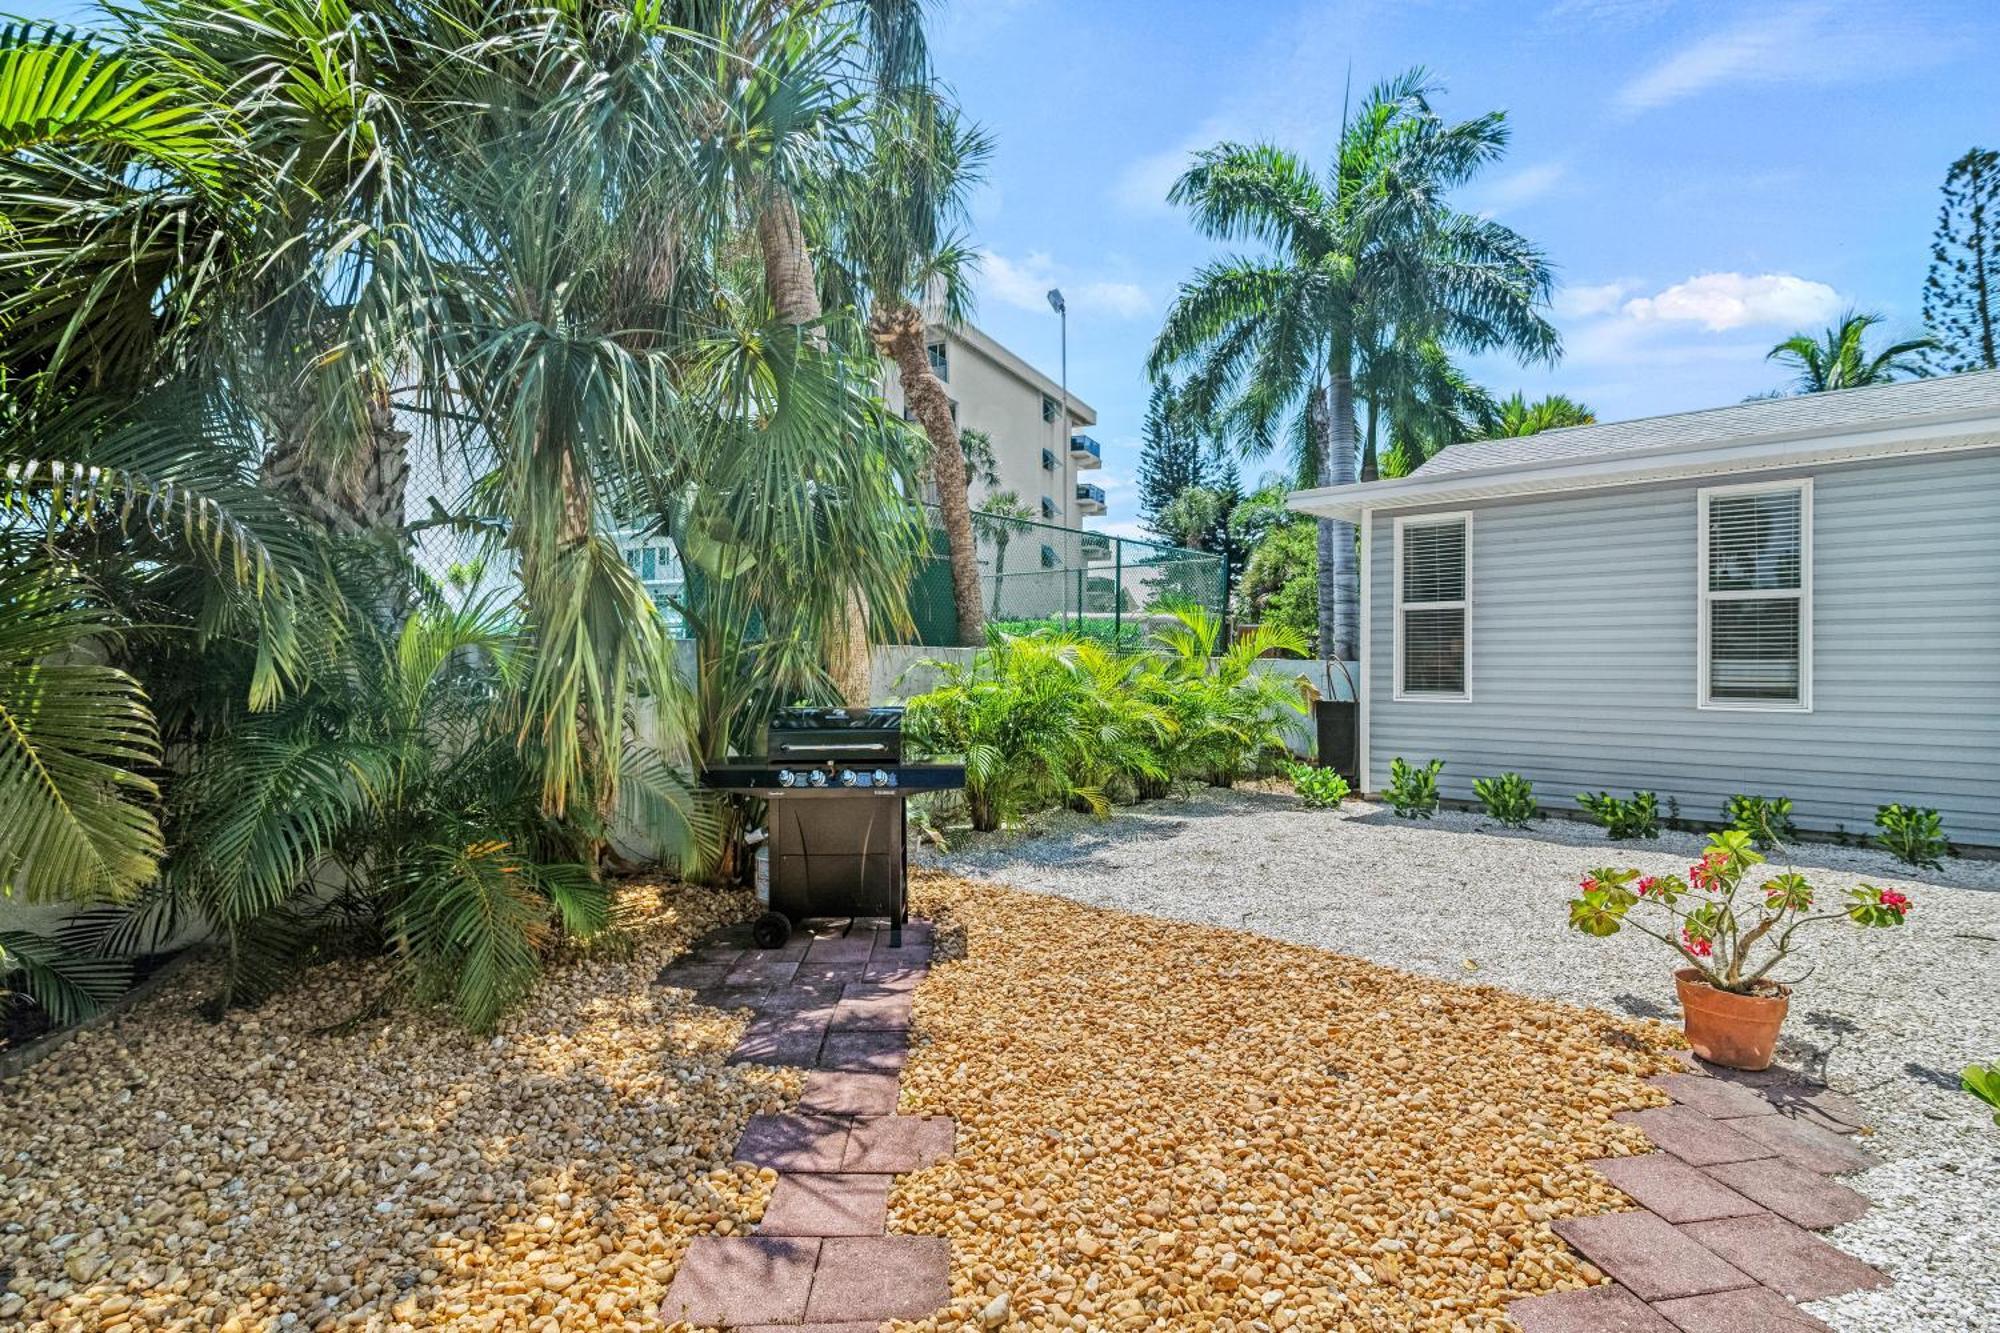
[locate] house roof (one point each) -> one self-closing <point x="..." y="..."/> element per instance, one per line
<point x="1913" y="416"/>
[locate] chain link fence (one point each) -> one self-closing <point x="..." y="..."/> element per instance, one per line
<point x="1032" y="574"/>
<point x="1035" y="575"/>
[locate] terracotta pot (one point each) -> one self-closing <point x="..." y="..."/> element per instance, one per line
<point x="1740" y="1031"/>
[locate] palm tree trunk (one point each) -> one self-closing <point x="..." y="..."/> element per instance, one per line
<point x="1343" y="644"/>
<point x="794" y="295"/>
<point x="1371" y="466"/>
<point x="899" y="333"/>
<point x="361" y="494"/>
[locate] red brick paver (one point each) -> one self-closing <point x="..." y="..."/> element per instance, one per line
<point x="847" y="1092"/>
<point x="1606" y="1309"/>
<point x="1751" y="1310"/>
<point x="1792" y="1262"/>
<point x="1693" y="1137"/>
<point x="1714" y="1097"/>
<point x="794" y="1142"/>
<point x="1662" y="1183"/>
<point x="898" y="1143"/>
<point x="827" y="1205"/>
<point x="1808" y="1145"/>
<point x="881" y="1277"/>
<point x="730" y="1280"/>
<point x="1648" y="1255"/>
<point x="865" y="1052"/>
<point x="1803" y="1197"/>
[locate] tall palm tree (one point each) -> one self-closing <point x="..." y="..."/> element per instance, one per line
<point x="1370" y="253"/>
<point x="899" y="232"/>
<point x="1838" y="357"/>
<point x="1427" y="400"/>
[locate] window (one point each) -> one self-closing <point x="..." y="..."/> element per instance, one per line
<point x="1048" y="460"/>
<point x="1050" y="408"/>
<point x="940" y="364"/>
<point x="1048" y="508"/>
<point x="1432" y="578"/>
<point x="1755" y="555"/>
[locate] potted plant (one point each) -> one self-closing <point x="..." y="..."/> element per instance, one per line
<point x="1731" y="934"/>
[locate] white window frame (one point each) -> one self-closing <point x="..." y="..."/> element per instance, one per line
<point x="1704" y="597"/>
<point x="1465" y="604"/>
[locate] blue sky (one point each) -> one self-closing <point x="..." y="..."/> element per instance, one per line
<point x="1706" y="177"/>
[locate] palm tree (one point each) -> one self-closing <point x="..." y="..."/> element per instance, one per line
<point x="1367" y="255"/>
<point x="898" y="229"/>
<point x="1837" y="358"/>
<point x="1192" y="517"/>
<point x="1517" y="416"/>
<point x="1429" y="402"/>
<point x="999" y="516"/>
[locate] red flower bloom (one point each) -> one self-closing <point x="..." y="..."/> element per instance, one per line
<point x="1588" y="884"/>
<point x="1647" y="885"/>
<point x="1895" y="902"/>
<point x="1697" y="945"/>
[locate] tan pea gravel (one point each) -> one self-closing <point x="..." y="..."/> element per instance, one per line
<point x="165" y="1173"/>
<point x="1173" y="1126"/>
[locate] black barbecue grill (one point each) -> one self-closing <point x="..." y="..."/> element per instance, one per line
<point x="836" y="782"/>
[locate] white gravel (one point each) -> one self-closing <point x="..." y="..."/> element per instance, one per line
<point x="1887" y="1016"/>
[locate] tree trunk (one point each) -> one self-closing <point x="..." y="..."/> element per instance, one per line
<point x="360" y="494"/>
<point x="1340" y="603"/>
<point x="899" y="333"/>
<point x="794" y="297"/>
<point x="1371" y="463"/>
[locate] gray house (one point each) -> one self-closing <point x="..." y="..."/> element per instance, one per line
<point x="1797" y="597"/>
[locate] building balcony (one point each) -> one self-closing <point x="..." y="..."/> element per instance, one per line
<point x="1089" y="497"/>
<point x="1085" y="452"/>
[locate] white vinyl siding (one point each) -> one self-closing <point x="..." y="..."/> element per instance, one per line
<point x="1433" y="606"/>
<point x="1754" y="565"/>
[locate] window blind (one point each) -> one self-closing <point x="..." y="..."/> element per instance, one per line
<point x="1754" y="596"/>
<point x="1432" y="608"/>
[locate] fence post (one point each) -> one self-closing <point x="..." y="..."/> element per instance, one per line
<point x="1117" y="593"/>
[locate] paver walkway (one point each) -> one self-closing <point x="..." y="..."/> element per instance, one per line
<point x="1722" y="1239"/>
<point x="834" y="1000"/>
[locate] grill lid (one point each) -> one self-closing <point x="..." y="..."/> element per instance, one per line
<point x="841" y="735"/>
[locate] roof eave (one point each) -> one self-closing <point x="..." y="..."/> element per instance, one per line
<point x="1640" y="466"/>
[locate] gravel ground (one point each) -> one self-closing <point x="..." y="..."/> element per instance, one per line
<point x="1887" y="1017"/>
<point x="265" y="1173"/>
<point x="1165" y="1126"/>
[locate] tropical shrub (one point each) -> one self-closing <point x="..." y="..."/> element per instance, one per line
<point x="1767" y="819"/>
<point x="1731" y="932"/>
<point x="1509" y="798"/>
<point x="1223" y="718"/>
<point x="1027" y="717"/>
<point x="1636" y="817"/>
<point x="1983" y="1082"/>
<point x="1320" y="788"/>
<point x="1912" y="834"/>
<point x="1413" y="791"/>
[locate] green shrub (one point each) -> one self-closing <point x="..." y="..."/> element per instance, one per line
<point x="1319" y="788"/>
<point x="1509" y="798"/>
<point x="1767" y="819"/>
<point x="1983" y="1082"/>
<point x="1413" y="792"/>
<point x="1912" y="834"/>
<point x="1637" y="817"/>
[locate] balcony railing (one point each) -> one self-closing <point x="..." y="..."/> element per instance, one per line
<point x="1085" y="452"/>
<point x="1090" y="497"/>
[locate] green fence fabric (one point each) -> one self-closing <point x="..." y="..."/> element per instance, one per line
<point x="1034" y="574"/>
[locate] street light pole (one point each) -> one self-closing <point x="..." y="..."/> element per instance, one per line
<point x="1061" y="307"/>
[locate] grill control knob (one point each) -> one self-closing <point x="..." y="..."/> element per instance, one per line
<point x="787" y="778"/>
<point x="818" y="777"/>
<point x="884" y="778"/>
<point x="849" y="778"/>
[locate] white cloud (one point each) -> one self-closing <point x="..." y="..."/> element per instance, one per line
<point x="1143" y="184"/>
<point x="1720" y="301"/>
<point x="1521" y="187"/>
<point x="1814" y="43"/>
<point x="1586" y="301"/>
<point x="1024" y="283"/>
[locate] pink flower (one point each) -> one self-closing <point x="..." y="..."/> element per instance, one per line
<point x="1895" y="902"/>
<point x="1588" y="884"/>
<point x="1647" y="885"/>
<point x="1697" y="945"/>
